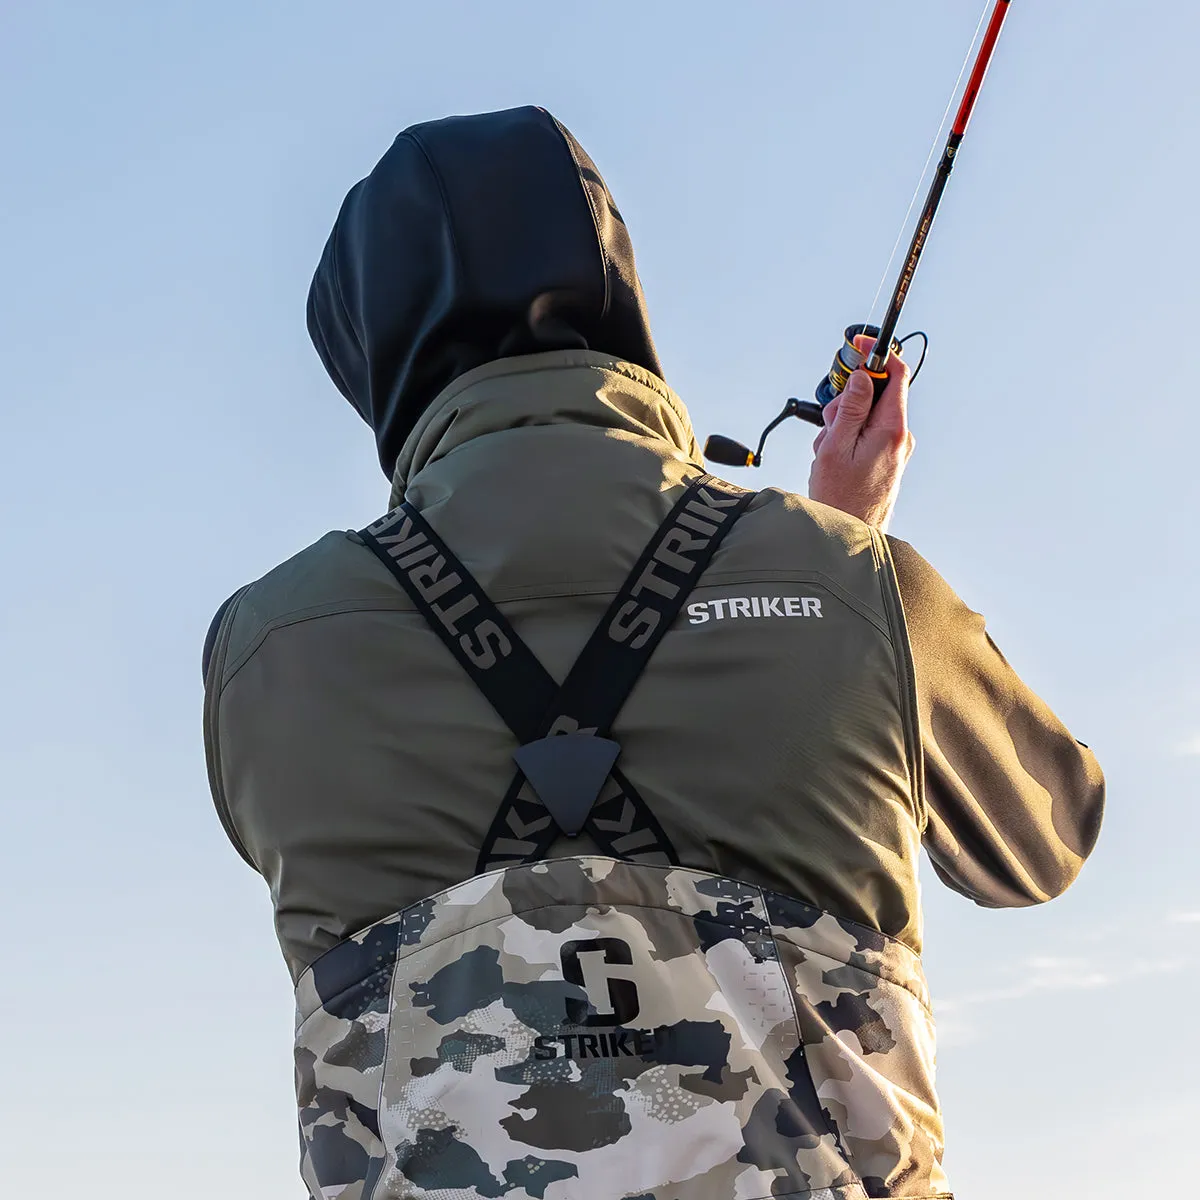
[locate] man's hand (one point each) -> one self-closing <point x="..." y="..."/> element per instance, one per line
<point x="864" y="448"/>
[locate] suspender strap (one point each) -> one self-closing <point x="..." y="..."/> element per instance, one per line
<point x="646" y="606"/>
<point x="568" y="774"/>
<point x="474" y="630"/>
<point x="596" y="688"/>
<point x="517" y="686"/>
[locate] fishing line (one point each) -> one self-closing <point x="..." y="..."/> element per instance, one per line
<point x="934" y="146"/>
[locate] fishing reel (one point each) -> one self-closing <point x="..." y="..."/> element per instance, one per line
<point x="849" y="358"/>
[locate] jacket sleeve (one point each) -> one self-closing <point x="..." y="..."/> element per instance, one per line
<point x="1014" y="801"/>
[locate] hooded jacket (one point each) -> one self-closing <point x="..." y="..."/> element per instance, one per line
<point x="509" y="243"/>
<point x="478" y="305"/>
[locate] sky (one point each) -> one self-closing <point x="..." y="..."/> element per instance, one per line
<point x="169" y="175"/>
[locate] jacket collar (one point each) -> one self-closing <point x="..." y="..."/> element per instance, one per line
<point x="562" y="387"/>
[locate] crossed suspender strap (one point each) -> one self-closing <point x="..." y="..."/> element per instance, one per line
<point x="565" y="752"/>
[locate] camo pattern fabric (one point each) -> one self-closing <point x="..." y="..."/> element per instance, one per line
<point x="587" y="1029"/>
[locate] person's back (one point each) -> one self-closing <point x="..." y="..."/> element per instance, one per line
<point x="739" y="1012"/>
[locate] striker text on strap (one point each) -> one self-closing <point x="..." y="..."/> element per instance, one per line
<point x="567" y="772"/>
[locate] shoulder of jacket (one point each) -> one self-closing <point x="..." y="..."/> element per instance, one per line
<point x="331" y="574"/>
<point x="802" y="529"/>
<point x="784" y="536"/>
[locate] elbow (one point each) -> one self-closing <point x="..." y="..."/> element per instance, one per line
<point x="1012" y="884"/>
<point x="1065" y="824"/>
<point x="1026" y="851"/>
<point x="1075" y="816"/>
<point x="1044" y="880"/>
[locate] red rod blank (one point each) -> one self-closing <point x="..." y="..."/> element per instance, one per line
<point x="975" y="83"/>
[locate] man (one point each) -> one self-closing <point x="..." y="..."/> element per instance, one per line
<point x="655" y="934"/>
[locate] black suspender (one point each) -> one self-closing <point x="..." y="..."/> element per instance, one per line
<point x="565" y="752"/>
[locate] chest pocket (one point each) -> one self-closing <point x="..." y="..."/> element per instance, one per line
<point x="580" y="1028"/>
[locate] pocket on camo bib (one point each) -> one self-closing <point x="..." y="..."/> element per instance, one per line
<point x="588" y="1028"/>
<point x="863" y="1010"/>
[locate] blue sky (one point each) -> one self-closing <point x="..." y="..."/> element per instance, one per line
<point x="170" y="174"/>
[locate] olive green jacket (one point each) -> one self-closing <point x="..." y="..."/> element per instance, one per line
<point x="823" y="707"/>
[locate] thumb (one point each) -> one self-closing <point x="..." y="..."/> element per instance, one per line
<point x="855" y="407"/>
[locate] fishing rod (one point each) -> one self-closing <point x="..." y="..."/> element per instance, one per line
<point x="849" y="358"/>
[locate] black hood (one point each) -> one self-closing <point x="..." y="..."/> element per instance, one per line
<point x="474" y="238"/>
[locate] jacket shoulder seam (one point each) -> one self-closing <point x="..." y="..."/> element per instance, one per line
<point x="519" y="595"/>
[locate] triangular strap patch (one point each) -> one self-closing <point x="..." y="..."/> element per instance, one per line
<point x="567" y="771"/>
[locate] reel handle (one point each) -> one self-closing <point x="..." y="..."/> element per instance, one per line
<point x="724" y="450"/>
<point x="810" y="411"/>
<point x="727" y="452"/>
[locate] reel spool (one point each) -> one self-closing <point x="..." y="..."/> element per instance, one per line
<point x="848" y="360"/>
